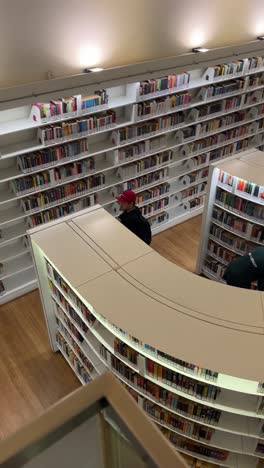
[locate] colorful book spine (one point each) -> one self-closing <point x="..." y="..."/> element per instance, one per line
<point x="68" y="106"/>
<point x="75" y="128"/>
<point x="178" y="403"/>
<point x="165" y="83"/>
<point x="63" y="192"/>
<point x="124" y="350"/>
<point x="50" y="156"/>
<point x="61" y="210"/>
<point x="75" y="362"/>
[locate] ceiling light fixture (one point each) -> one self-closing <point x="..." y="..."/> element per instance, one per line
<point x="94" y="69"/>
<point x="195" y="50"/>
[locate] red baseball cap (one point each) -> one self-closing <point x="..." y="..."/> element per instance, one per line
<point x="128" y="196"/>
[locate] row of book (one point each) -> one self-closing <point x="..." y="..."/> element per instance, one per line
<point x="188" y="367"/>
<point x="62" y="192"/>
<point x="126" y="351"/>
<point x="185" y="194"/>
<point x="167" y="122"/>
<point x="87" y="314"/>
<point x="256" y="80"/>
<point x="241" y="185"/>
<point x="205" y="144"/>
<point x="241" y="246"/>
<point x="49" y="156"/>
<point x="237" y="67"/>
<point x="199" y="160"/>
<point x="165" y="397"/>
<point x="188" y="134"/>
<point x="142" y="165"/>
<point x="179" y="364"/>
<point x="61" y="316"/>
<point x="132" y="132"/>
<point x="61" y="210"/>
<point x="242" y="227"/>
<point x="146" y="179"/>
<point x="164" y="83"/>
<point x="213" y="453"/>
<point x="215" y="267"/>
<point x="181" y="382"/>
<point x="52" y="176"/>
<point x="240" y="205"/>
<point x="162" y="104"/>
<point x="77" y="365"/>
<point x="71" y="311"/>
<point x="225" y="105"/>
<point x="151" y="193"/>
<point x="219" y="89"/>
<point x="226" y="255"/>
<point x="189" y="428"/>
<point x="69" y="105"/>
<point x="158" y="219"/>
<point x="226" y="121"/>
<point x="229" y="150"/>
<point x="83" y="358"/>
<point x="140" y="149"/>
<point x="77" y="127"/>
<point x="151" y="208"/>
<point x="253" y="97"/>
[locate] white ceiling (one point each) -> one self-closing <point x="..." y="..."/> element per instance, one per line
<point x="64" y="36"/>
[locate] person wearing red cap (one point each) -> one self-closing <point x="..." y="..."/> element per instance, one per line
<point x="132" y="218"/>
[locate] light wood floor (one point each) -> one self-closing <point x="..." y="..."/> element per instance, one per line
<point x="32" y="377"/>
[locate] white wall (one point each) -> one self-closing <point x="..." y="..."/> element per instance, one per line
<point x="41" y="35"/>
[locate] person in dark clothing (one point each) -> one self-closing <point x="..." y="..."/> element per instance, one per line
<point x="242" y="271"/>
<point x="132" y="218"/>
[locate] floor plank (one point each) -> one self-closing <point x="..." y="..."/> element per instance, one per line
<point x="32" y="377"/>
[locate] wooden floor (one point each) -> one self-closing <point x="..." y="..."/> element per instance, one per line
<point x="32" y="377"/>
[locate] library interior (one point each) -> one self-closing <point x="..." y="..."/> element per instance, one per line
<point x="132" y="234"/>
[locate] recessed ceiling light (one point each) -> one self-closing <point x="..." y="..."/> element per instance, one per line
<point x="94" y="69"/>
<point x="200" y="49"/>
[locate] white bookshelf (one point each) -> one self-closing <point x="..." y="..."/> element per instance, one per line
<point x="194" y="130"/>
<point x="231" y="410"/>
<point x="221" y="240"/>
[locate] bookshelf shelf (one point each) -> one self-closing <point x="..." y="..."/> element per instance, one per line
<point x="24" y="280"/>
<point x="71" y="365"/>
<point x="240" y="214"/>
<point x="232" y="424"/>
<point x="241" y="194"/>
<point x="235" y="413"/>
<point x="233" y="231"/>
<point x="13" y="250"/>
<point x="17" y="265"/>
<point x="218" y="440"/>
<point x="227" y="110"/>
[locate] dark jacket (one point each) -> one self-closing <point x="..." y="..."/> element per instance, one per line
<point x="136" y="223"/>
<point x="242" y="271"/>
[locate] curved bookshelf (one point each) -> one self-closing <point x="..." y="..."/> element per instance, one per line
<point x="120" y="330"/>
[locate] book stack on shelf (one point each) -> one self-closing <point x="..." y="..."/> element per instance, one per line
<point x="212" y="417"/>
<point x="233" y="222"/>
<point x="64" y="155"/>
